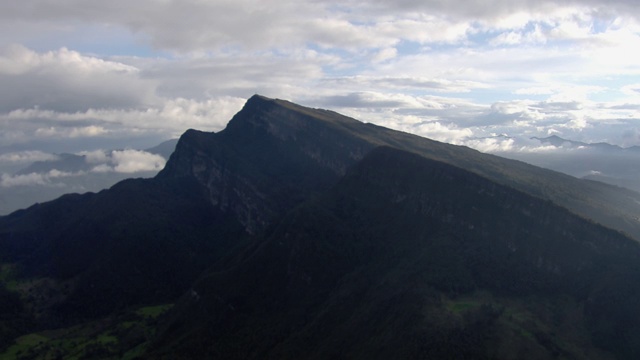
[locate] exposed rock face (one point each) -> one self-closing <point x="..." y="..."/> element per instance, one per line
<point x="271" y="156"/>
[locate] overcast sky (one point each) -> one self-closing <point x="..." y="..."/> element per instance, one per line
<point x="82" y="75"/>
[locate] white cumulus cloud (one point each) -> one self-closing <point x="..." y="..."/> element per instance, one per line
<point x="131" y="161"/>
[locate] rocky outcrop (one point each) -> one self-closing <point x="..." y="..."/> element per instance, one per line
<point x="271" y="156"/>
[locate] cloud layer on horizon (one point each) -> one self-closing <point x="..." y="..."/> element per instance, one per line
<point x="126" y="161"/>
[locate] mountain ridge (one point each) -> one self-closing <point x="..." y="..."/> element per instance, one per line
<point x="606" y="204"/>
<point x="557" y="141"/>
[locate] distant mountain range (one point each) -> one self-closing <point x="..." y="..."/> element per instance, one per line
<point x="68" y="173"/>
<point x="602" y="162"/>
<point x="559" y="142"/>
<point x="299" y="233"/>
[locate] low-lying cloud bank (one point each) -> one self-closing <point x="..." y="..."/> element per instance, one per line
<point x="49" y="172"/>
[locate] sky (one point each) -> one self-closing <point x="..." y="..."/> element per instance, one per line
<point x="82" y="75"/>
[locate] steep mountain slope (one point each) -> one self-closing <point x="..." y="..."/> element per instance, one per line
<point x="142" y="241"/>
<point x="279" y="143"/>
<point x="411" y="258"/>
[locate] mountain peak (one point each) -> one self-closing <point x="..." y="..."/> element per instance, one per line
<point x="259" y="98"/>
<point x="277" y="149"/>
<point x="271" y="149"/>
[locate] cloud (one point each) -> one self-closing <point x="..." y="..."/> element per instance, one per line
<point x="236" y="75"/>
<point x="7" y="180"/>
<point x="81" y="130"/>
<point x="436" y="130"/>
<point x="67" y="81"/>
<point x="98" y="162"/>
<point x="124" y="161"/>
<point x="25" y="157"/>
<point x="534" y="36"/>
<point x="631" y="89"/>
<point x="353" y="25"/>
<point x="88" y="74"/>
<point x="72" y="132"/>
<point x="491" y="144"/>
<point x="102" y="168"/>
<point x="537" y="90"/>
<point x="507" y="12"/>
<point x="131" y="161"/>
<point x="369" y="100"/>
<point x="95" y="157"/>
<point x="385" y="54"/>
<point x="405" y="82"/>
<point x="36" y="179"/>
<point x="248" y="23"/>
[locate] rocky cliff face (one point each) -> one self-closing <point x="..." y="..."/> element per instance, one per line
<point x="271" y="156"/>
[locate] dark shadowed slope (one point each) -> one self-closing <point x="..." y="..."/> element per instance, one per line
<point x="142" y="241"/>
<point x="411" y="258"/>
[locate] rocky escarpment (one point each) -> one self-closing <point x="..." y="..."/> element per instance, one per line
<point x="271" y="156"/>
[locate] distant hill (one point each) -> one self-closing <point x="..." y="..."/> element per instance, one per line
<point x="302" y="233"/>
<point x="558" y="142"/>
<point x="64" y="162"/>
<point x="602" y="162"/>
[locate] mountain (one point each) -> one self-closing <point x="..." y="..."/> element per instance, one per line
<point x="349" y="204"/>
<point x="333" y="143"/>
<point x="63" y="162"/>
<point x="164" y="149"/>
<point x="70" y="173"/>
<point x="602" y="162"/>
<point x="559" y="142"/>
<point x="395" y="262"/>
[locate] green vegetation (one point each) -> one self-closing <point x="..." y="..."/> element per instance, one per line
<point x="460" y="307"/>
<point x="23" y="345"/>
<point x="8" y="277"/>
<point x="154" y="311"/>
<point x="122" y="337"/>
